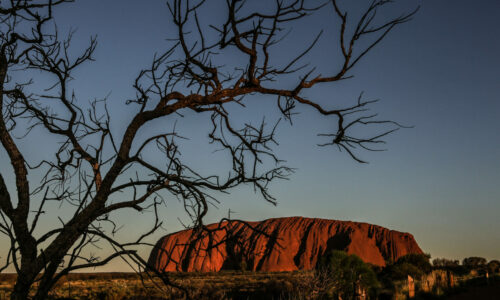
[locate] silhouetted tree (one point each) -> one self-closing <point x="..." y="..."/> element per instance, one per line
<point x="92" y="168"/>
<point x="444" y="263"/>
<point x="415" y="265"/>
<point x="474" y="262"/>
<point x="420" y="261"/>
<point x="494" y="266"/>
<point x="450" y="265"/>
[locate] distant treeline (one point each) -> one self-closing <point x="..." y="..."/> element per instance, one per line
<point x="468" y="264"/>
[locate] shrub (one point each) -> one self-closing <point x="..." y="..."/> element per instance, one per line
<point x="445" y="263"/>
<point x="421" y="261"/>
<point x="474" y="262"/>
<point x="415" y="265"/>
<point x="346" y="274"/>
<point x="494" y="266"/>
<point x="450" y="265"/>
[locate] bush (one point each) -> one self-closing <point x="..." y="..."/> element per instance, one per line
<point x="494" y="266"/>
<point x="421" y="261"/>
<point x="450" y="265"/>
<point x="346" y="274"/>
<point x="402" y="270"/>
<point x="415" y="265"/>
<point x="474" y="262"/>
<point x="445" y="263"/>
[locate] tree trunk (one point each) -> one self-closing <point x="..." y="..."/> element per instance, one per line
<point x="25" y="281"/>
<point x="42" y="292"/>
<point x="46" y="282"/>
<point x="21" y="289"/>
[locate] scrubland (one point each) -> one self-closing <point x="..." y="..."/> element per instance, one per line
<point x="235" y="285"/>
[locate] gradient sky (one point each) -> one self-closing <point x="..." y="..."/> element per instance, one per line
<point x="439" y="73"/>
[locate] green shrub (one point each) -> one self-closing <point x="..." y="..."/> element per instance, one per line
<point x="420" y="261"/>
<point x="345" y="275"/>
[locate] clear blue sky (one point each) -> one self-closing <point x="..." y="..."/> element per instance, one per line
<point x="439" y="72"/>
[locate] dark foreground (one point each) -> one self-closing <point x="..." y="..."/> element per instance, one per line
<point x="223" y="285"/>
<point x="477" y="290"/>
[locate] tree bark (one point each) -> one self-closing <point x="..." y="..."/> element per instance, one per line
<point x="21" y="288"/>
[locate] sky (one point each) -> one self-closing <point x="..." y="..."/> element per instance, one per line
<point x="438" y="73"/>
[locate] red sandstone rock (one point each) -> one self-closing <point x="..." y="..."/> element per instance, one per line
<point x="288" y="244"/>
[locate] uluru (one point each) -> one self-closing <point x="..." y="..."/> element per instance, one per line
<point x="280" y="244"/>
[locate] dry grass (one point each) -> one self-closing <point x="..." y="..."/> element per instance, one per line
<point x="222" y="285"/>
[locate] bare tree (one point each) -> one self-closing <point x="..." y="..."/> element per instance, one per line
<point x="91" y="165"/>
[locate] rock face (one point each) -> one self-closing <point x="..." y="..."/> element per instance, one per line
<point x="282" y="244"/>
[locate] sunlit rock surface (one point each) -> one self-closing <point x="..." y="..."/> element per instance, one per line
<point x="282" y="244"/>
